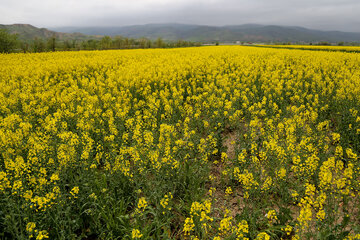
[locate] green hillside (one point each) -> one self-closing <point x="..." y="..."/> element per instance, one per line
<point x="28" y="32"/>
<point x="197" y="33"/>
<point x="246" y="32"/>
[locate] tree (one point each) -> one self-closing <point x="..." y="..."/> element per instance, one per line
<point x="118" y="42"/>
<point x="126" y="43"/>
<point x="106" y="42"/>
<point x="51" y="44"/>
<point x="92" y="44"/>
<point x="38" y="45"/>
<point x="74" y="45"/>
<point x="8" y="42"/>
<point x="131" y="43"/>
<point x="324" y="43"/>
<point x="143" y="43"/>
<point x="159" y="43"/>
<point x="67" y="45"/>
<point x="24" y="46"/>
<point x="148" y="43"/>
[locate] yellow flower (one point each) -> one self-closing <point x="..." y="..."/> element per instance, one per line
<point x="142" y="204"/>
<point x="188" y="226"/>
<point x="242" y="229"/>
<point x="54" y="177"/>
<point x="42" y="234"/>
<point x="321" y="215"/>
<point x="288" y="229"/>
<point x="225" y="225"/>
<point x="271" y="215"/>
<point x="228" y="191"/>
<point x="281" y="173"/>
<point x="212" y="191"/>
<point x="136" y="234"/>
<point x="335" y="137"/>
<point x="74" y="191"/>
<point x="295" y="237"/>
<point x="93" y="196"/>
<point x="30" y="226"/>
<point x="164" y="202"/>
<point x="305" y="216"/>
<point x="263" y="236"/>
<point x="224" y="157"/>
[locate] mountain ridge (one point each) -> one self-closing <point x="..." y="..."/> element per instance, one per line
<point x="29" y="32"/>
<point x="226" y="33"/>
<point x="188" y="32"/>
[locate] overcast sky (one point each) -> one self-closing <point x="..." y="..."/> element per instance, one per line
<point x="318" y="14"/>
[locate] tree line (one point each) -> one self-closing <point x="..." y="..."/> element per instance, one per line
<point x="10" y="43"/>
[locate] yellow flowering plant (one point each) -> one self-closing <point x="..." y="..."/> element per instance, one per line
<point x="157" y="143"/>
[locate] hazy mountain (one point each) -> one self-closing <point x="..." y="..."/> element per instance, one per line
<point x="247" y="32"/>
<point x="29" y="32"/>
<point x="172" y="31"/>
<point x="153" y="31"/>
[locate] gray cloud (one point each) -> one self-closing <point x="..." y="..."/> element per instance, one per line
<point x="317" y="14"/>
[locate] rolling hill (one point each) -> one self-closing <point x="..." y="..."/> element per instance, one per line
<point x="198" y="33"/>
<point x="247" y="32"/>
<point x="28" y="32"/>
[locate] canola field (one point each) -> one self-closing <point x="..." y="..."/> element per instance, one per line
<point x="225" y="142"/>
<point x="353" y="49"/>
